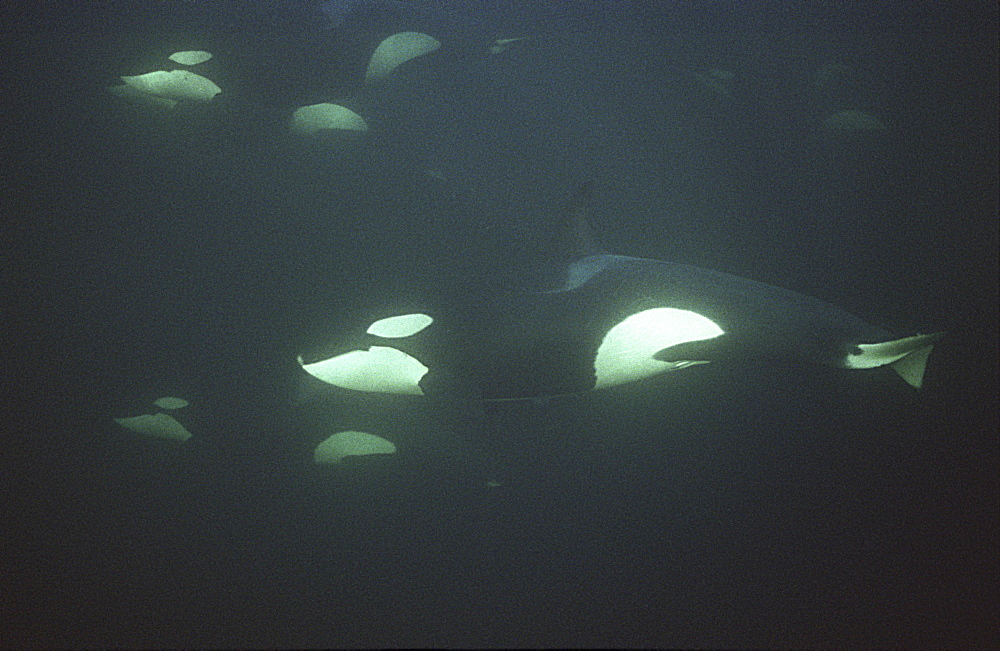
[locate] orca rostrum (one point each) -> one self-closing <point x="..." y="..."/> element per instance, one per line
<point x="597" y="320"/>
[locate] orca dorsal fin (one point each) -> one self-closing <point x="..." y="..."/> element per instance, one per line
<point x="573" y="238"/>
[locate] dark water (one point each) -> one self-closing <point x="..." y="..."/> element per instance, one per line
<point x="196" y="252"/>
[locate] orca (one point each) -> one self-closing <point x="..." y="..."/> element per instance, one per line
<point x="597" y="320"/>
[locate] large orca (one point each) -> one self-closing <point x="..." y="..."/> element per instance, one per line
<point x="598" y="320"/>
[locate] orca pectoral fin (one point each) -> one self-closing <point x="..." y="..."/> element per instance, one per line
<point x="906" y="356"/>
<point x="705" y="351"/>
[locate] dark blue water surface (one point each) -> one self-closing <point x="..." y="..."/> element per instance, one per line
<point x="197" y="251"/>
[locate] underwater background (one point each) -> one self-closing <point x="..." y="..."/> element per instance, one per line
<point x="843" y="150"/>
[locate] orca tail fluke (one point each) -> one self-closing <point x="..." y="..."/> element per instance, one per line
<point x="911" y="366"/>
<point x="906" y="356"/>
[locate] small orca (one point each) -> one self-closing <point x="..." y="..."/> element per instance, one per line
<point x="598" y="320"/>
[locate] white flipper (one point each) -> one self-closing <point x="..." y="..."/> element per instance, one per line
<point x="350" y="444"/>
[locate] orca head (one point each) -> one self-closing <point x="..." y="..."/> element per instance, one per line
<point x="378" y="364"/>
